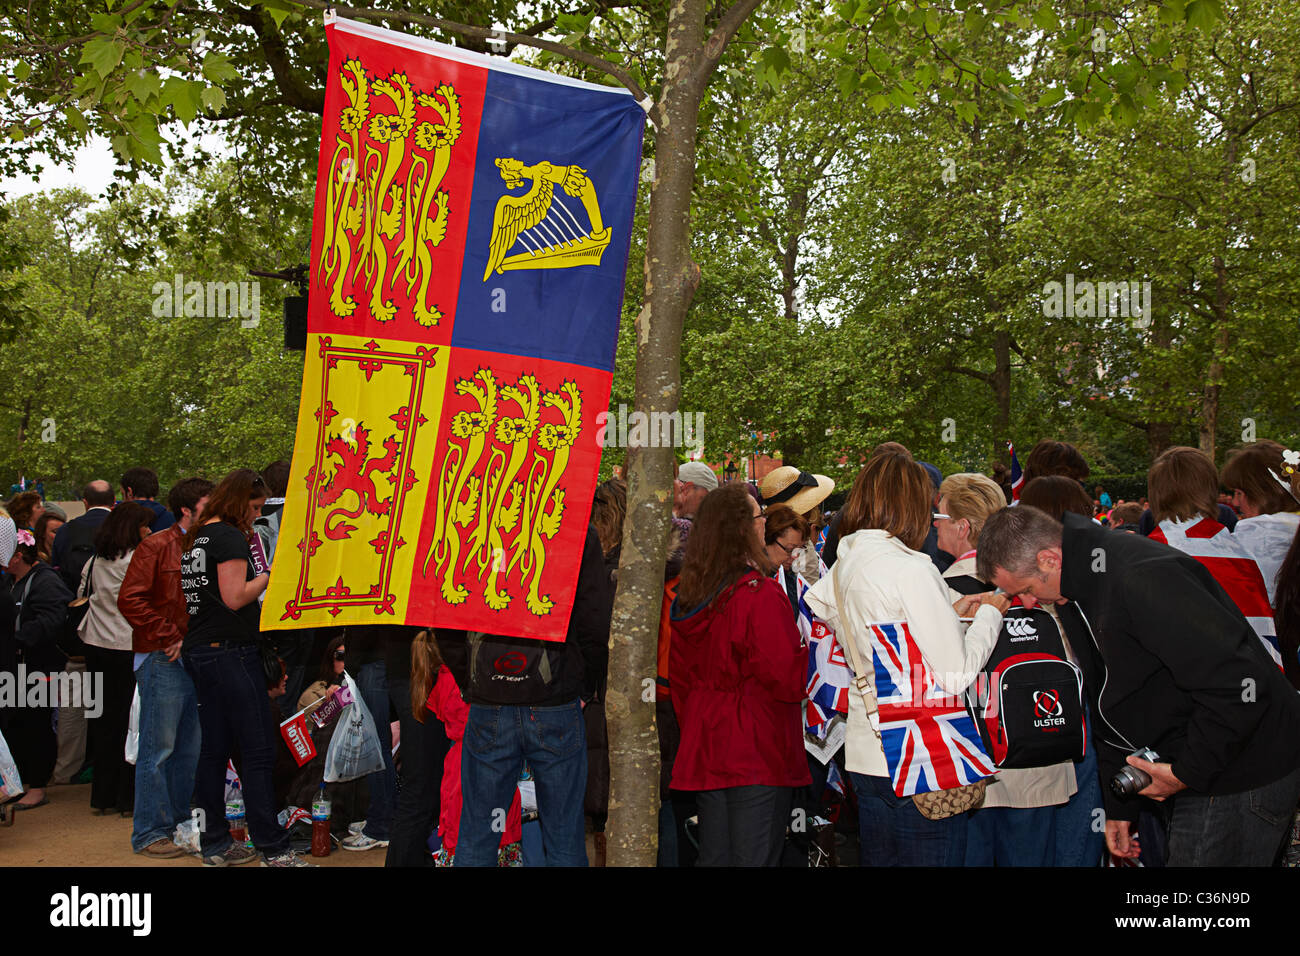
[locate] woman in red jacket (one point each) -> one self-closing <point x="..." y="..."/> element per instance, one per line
<point x="739" y="672"/>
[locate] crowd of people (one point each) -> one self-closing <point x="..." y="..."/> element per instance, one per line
<point x="947" y="670"/>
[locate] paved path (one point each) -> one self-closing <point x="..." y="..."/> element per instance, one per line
<point x="64" y="832"/>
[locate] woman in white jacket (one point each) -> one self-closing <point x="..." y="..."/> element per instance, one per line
<point x="109" y="655"/>
<point x="880" y="575"/>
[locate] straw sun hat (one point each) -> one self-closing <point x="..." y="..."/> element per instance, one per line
<point x="801" y="490"/>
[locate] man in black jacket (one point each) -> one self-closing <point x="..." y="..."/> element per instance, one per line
<point x="1170" y="664"/>
<point x="525" y="704"/>
<point x="74" y="542"/>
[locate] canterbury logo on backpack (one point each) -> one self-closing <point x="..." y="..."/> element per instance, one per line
<point x="1020" y="627"/>
<point x="1028" y="701"/>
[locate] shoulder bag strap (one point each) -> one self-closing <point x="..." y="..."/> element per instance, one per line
<point x="27" y="587"/>
<point x="90" y="577"/>
<point x="860" y="679"/>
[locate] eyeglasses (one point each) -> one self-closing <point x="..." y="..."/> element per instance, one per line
<point x="940" y="516"/>
<point x="790" y="550"/>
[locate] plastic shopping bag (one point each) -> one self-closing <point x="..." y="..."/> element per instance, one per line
<point x="187" y="835"/>
<point x="133" y="730"/>
<point x="354" y="750"/>
<point x="11" y="785"/>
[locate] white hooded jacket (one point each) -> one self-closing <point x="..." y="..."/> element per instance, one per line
<point x="882" y="579"/>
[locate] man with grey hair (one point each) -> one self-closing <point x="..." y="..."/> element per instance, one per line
<point x="694" y="480"/>
<point x="1169" y="664"/>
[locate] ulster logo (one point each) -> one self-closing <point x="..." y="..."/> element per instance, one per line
<point x="545" y="230"/>
<point x="1047" y="703"/>
<point x="1048" y="710"/>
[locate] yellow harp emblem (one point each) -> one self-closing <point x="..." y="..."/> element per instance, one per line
<point x="539" y="230"/>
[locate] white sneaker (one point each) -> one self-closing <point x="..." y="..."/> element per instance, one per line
<point x="357" y="827"/>
<point x="359" y="841"/>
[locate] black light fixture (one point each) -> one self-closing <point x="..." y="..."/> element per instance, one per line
<point x="730" y="471"/>
<point x="295" y="323"/>
<point x="295" y="306"/>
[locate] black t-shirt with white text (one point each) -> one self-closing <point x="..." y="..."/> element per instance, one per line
<point x="210" y="619"/>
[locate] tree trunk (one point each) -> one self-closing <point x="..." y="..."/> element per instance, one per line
<point x="1001" y="392"/>
<point x="671" y="280"/>
<point x="788" y="259"/>
<point x="23" y="424"/>
<point x="1218" y="349"/>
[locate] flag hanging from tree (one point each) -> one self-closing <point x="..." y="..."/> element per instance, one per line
<point x="469" y="248"/>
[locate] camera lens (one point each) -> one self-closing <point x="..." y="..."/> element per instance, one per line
<point x="1129" y="781"/>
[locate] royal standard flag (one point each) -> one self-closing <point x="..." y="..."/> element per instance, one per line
<point x="469" y="247"/>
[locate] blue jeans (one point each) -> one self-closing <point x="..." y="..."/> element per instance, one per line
<point x="372" y="681"/>
<point x="234" y="709"/>
<point x="1080" y="821"/>
<point x="1011" y="836"/>
<point x="169" y="749"/>
<point x="894" y="833"/>
<point x="497" y="742"/>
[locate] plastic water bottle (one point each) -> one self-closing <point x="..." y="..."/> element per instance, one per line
<point x="320" y="824"/>
<point x="237" y="818"/>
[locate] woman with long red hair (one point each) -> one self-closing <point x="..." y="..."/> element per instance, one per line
<point x="739" y="670"/>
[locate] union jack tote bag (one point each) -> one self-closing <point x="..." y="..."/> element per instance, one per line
<point x="930" y="741"/>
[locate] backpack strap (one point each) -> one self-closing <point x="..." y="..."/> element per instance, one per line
<point x="474" y="639"/>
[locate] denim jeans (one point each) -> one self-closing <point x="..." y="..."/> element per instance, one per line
<point x="372" y="681"/>
<point x="169" y="749"/>
<point x="1237" y="829"/>
<point x="234" y="710"/>
<point x="894" y="833"/>
<point x="498" y="739"/>
<point x="1011" y="836"/>
<point x="1080" y="821"/>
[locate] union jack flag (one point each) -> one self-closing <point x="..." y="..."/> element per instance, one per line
<point x="828" y="674"/>
<point x="828" y="671"/>
<point x="1017" y="476"/>
<point x="1232" y="566"/>
<point x="929" y="739"/>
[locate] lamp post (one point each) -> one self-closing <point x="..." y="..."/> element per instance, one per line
<point x="729" y="471"/>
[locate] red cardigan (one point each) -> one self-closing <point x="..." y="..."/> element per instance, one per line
<point x="739" y="673"/>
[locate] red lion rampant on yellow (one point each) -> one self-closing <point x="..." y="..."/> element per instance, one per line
<point x="354" y="474"/>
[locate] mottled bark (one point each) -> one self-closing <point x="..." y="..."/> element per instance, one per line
<point x="691" y="54"/>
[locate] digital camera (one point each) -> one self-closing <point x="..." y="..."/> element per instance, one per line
<point x="1130" y="779"/>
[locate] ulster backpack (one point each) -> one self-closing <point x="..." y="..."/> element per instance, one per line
<point x="1028" y="702"/>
